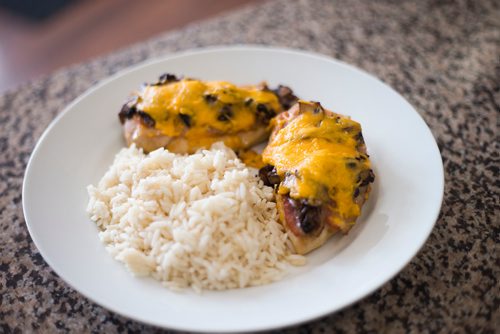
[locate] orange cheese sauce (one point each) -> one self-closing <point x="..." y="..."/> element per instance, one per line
<point x="251" y="158"/>
<point x="320" y="151"/>
<point x="200" y="103"/>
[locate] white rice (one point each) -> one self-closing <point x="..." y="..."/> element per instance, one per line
<point x="203" y="220"/>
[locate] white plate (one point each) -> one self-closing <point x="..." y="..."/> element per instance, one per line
<point x="80" y="144"/>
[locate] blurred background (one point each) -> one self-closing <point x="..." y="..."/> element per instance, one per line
<point x="40" y="36"/>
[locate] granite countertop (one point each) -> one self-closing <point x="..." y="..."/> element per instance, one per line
<point x="443" y="56"/>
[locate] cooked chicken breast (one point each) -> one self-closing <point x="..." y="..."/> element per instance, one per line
<point x="184" y="115"/>
<point x="318" y="164"/>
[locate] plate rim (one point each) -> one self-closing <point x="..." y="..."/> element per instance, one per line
<point x="200" y="51"/>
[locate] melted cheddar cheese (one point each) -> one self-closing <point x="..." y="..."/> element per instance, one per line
<point x="202" y="112"/>
<point x="251" y="158"/>
<point x="318" y="158"/>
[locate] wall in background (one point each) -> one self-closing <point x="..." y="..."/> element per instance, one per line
<point x="72" y="31"/>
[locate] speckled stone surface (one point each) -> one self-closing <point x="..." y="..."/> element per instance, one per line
<point x="443" y="56"/>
